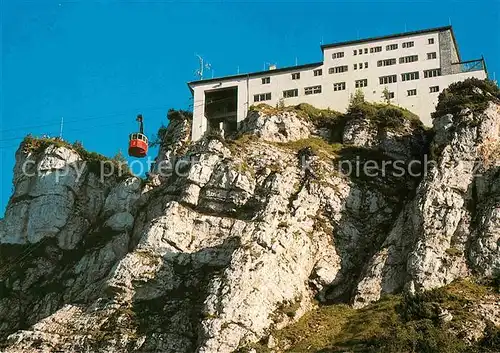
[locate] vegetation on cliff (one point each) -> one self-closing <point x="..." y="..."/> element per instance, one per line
<point x="173" y="115"/>
<point x="96" y="162"/>
<point x="396" y="324"/>
<point x="472" y="93"/>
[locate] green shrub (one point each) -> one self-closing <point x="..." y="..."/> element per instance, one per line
<point x="38" y="145"/>
<point x="453" y="252"/>
<point x="318" y="147"/>
<point x="356" y="99"/>
<point x="491" y="339"/>
<point x="384" y="116"/>
<point x="464" y="94"/>
<point x="173" y="114"/>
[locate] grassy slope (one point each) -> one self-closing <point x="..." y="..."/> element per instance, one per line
<point x="395" y="324"/>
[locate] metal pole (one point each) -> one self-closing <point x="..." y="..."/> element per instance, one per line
<point x="61" y="132"/>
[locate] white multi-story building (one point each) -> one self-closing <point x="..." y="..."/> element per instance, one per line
<point x="414" y="66"/>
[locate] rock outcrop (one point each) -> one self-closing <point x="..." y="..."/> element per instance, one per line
<point x="242" y="234"/>
<point x="445" y="237"/>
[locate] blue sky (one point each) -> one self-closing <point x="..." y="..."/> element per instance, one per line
<point x="98" y="64"/>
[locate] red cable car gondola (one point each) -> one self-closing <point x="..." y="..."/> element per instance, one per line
<point x="138" y="142"/>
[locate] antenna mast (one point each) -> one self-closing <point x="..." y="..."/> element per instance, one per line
<point x="61" y="131"/>
<point x="202" y="68"/>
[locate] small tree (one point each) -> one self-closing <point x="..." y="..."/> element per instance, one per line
<point x="357" y="98"/>
<point x="120" y="162"/>
<point x="386" y="95"/>
<point x="160" y="135"/>
<point x="280" y="104"/>
<point x="119" y="158"/>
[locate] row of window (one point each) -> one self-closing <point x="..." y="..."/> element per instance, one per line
<point x="261" y="97"/>
<point x="338" y="86"/>
<point x="384" y="62"/>
<point x="413" y="92"/>
<point x="409" y="76"/>
<point x="404" y="59"/>
<point x="344" y="68"/>
<point x="378" y="49"/>
<point x="383" y="80"/>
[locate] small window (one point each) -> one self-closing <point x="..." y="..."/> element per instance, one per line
<point x="355" y="66"/>
<point x="432" y="73"/>
<point x="408" y="44"/>
<point x="408" y="59"/>
<point x="337" y="69"/>
<point x="391" y="47"/>
<point x="291" y="93"/>
<point x="337" y="55"/>
<point x="434" y="89"/>
<point x="361" y="83"/>
<point x="391" y="95"/>
<point x="354" y="52"/>
<point x="360" y="51"/>
<point x="296" y="76"/>
<point x="388" y="79"/>
<point x="431" y="56"/>
<point x="262" y="97"/>
<point x="318" y="72"/>
<point x="409" y="76"/>
<point x="266" y="80"/>
<point x="386" y="62"/>
<point x="431" y="40"/>
<point x="412" y="92"/>
<point x="366" y="65"/>
<point x="339" y="86"/>
<point x="312" y="90"/>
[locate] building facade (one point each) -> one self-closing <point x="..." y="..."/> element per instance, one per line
<point x="414" y="67"/>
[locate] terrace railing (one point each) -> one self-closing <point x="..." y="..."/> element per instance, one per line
<point x="468" y="66"/>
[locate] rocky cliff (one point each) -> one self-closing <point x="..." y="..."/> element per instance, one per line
<point x="232" y="239"/>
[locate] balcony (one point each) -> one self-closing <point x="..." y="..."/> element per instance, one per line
<point x="468" y="66"/>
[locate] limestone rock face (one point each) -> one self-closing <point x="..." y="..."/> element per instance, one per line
<point x="400" y="139"/>
<point x="277" y="127"/>
<point x="238" y="238"/>
<point x="450" y="229"/>
<point x="174" y="138"/>
<point x="54" y="196"/>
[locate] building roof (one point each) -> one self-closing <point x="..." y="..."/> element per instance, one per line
<point x="258" y="73"/>
<point x="397" y="35"/>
